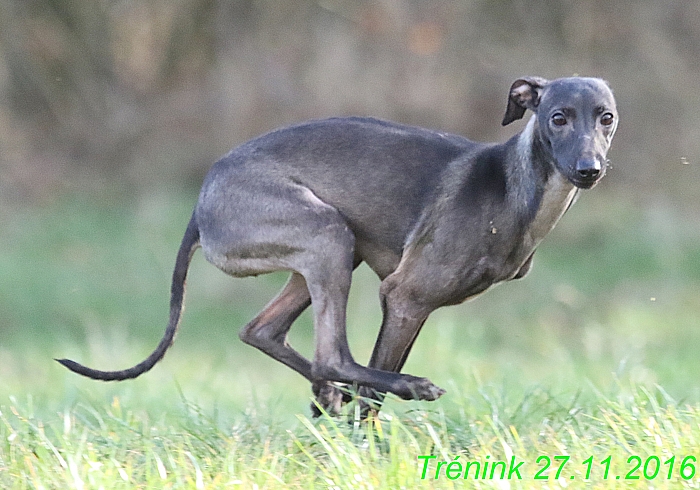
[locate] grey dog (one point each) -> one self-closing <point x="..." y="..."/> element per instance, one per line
<point x="438" y="218"/>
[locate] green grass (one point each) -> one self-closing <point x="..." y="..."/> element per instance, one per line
<point x="112" y="446"/>
<point x="593" y="354"/>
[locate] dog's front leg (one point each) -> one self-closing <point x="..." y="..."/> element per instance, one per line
<point x="401" y="323"/>
<point x="332" y="358"/>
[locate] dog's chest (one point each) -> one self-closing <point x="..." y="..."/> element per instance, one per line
<point x="558" y="195"/>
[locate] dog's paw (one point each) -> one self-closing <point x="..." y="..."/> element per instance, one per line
<point x="432" y="392"/>
<point x="329" y="397"/>
<point x="370" y="401"/>
<point x="420" y="389"/>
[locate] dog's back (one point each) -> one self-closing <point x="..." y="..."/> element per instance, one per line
<point x="362" y="167"/>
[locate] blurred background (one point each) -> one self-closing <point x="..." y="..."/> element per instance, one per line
<point x="111" y="112"/>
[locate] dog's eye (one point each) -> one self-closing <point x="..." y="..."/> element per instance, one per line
<point x="607" y="119"/>
<point x="558" y="119"/>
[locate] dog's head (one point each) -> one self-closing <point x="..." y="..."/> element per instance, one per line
<point x="576" y="119"/>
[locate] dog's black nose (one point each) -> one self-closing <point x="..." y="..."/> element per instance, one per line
<point x="588" y="169"/>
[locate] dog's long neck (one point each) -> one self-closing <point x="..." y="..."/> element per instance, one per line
<point x="525" y="179"/>
<point x="539" y="193"/>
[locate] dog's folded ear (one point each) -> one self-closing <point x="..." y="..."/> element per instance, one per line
<point x="524" y="94"/>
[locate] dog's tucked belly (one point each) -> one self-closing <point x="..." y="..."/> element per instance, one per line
<point x="381" y="259"/>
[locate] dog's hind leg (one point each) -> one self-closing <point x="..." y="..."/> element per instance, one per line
<point x="292" y="229"/>
<point x="268" y="330"/>
<point x="327" y="264"/>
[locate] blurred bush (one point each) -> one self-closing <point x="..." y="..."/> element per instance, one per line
<point x="150" y="93"/>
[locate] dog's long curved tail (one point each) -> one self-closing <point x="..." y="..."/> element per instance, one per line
<point x="190" y="243"/>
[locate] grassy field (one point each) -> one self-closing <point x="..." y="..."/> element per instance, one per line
<point x="593" y="355"/>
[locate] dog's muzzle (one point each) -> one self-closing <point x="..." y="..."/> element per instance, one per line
<point x="587" y="173"/>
